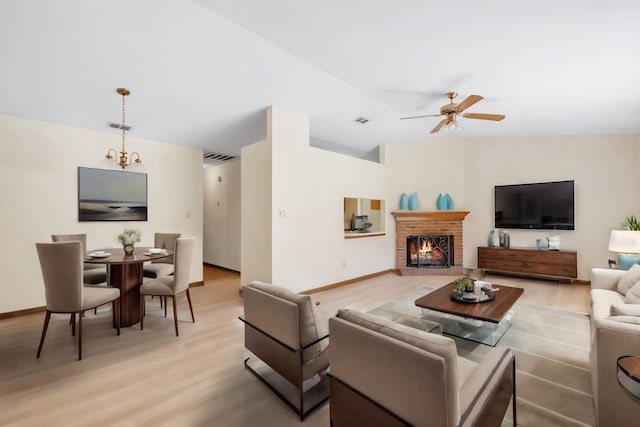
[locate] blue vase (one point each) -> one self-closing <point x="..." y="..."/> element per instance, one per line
<point x="449" y="202"/>
<point x="404" y="202"/>
<point x="413" y="202"/>
<point x="441" y="203"/>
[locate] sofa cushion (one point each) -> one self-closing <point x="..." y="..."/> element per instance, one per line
<point x="602" y="300"/>
<point x="630" y="278"/>
<point x="633" y="296"/>
<point x="625" y="310"/>
<point x="635" y="320"/>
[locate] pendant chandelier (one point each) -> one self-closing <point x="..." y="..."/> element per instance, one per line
<point x="123" y="161"/>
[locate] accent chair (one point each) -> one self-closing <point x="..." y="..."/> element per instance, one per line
<point x="287" y="337"/>
<point x="92" y="274"/>
<point x="386" y="373"/>
<point x="161" y="267"/>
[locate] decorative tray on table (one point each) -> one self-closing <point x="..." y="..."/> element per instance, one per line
<point x="471" y="298"/>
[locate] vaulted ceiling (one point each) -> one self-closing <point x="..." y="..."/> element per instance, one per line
<point x="202" y="72"/>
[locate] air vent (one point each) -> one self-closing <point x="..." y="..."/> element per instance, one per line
<point x="362" y="120"/>
<point x="218" y="157"/>
<point x="118" y="126"/>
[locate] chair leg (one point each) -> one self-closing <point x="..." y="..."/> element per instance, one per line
<point x="80" y="336"/>
<point x="73" y="324"/>
<point x="160" y="298"/>
<point x="193" y="319"/>
<point x="116" y="313"/>
<point x="165" y="305"/>
<point x="44" y="332"/>
<point x="141" y="312"/>
<point x="513" y="402"/>
<point x="175" y="314"/>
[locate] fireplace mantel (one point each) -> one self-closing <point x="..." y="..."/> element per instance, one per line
<point x="429" y="222"/>
<point x="430" y="215"/>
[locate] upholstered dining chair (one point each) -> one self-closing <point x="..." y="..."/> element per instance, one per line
<point x="286" y="335"/>
<point x="172" y="286"/>
<point x="92" y="274"/>
<point x="65" y="292"/>
<point x="163" y="267"/>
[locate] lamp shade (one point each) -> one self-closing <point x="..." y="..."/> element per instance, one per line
<point x="625" y="241"/>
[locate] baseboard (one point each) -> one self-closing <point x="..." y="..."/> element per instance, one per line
<point x="25" y="312"/>
<point x="231" y="270"/>
<point x="348" y="282"/>
<point x="194" y="284"/>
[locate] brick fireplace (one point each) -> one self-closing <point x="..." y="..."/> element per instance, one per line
<point x="422" y="226"/>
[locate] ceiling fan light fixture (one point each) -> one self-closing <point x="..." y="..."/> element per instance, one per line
<point x="452" y="127"/>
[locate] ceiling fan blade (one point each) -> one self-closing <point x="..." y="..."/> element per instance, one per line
<point x="439" y="126"/>
<point x="418" y="117"/>
<point x="471" y="99"/>
<point x="494" y="117"/>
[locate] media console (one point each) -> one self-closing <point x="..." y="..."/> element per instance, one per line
<point x="541" y="263"/>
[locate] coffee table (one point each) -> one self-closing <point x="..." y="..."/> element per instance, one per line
<point x="483" y="322"/>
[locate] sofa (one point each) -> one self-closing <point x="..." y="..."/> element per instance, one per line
<point x="615" y="332"/>
<point x="385" y="373"/>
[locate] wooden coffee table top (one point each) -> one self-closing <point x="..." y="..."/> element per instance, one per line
<point x="490" y="311"/>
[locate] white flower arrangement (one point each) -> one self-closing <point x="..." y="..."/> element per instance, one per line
<point x="129" y="237"/>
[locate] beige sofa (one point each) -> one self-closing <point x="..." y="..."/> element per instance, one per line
<point x="385" y="373"/>
<point x="613" y="334"/>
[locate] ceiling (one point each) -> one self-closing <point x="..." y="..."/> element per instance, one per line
<point x="202" y="72"/>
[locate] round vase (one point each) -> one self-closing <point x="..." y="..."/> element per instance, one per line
<point x="449" y="202"/>
<point x="442" y="202"/>
<point x="128" y="249"/>
<point x="413" y="202"/>
<point x="404" y="202"/>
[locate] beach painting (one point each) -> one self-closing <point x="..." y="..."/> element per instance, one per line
<point x="111" y="195"/>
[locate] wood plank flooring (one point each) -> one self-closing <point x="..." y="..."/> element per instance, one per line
<point x="152" y="378"/>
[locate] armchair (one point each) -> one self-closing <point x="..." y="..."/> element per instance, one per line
<point x="283" y="331"/>
<point x="385" y="373"/>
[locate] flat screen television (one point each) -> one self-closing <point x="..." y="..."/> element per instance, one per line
<point x="111" y="195"/>
<point x="537" y="206"/>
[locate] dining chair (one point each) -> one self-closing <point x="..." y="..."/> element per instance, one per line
<point x="92" y="274"/>
<point x="172" y="286"/>
<point x="61" y="265"/>
<point x="163" y="267"/>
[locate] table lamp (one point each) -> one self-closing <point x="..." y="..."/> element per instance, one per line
<point x="627" y="244"/>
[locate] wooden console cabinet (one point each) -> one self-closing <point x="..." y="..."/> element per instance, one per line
<point x="562" y="265"/>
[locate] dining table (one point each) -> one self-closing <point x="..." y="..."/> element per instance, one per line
<point x="126" y="273"/>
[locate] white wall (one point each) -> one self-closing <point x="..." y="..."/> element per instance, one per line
<point x="38" y="190"/>
<point x="256" y="216"/>
<point x="221" y="230"/>
<point x="605" y="171"/>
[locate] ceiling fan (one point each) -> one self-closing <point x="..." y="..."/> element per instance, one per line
<point x="452" y="110"/>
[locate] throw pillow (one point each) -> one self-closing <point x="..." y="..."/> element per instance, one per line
<point x="633" y="296"/>
<point x="625" y="310"/>
<point x="629" y="279"/>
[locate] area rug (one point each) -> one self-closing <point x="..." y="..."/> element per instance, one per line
<point x="553" y="382"/>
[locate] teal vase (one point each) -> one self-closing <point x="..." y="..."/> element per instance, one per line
<point x="413" y="202"/>
<point x="449" y="202"/>
<point x="441" y="203"/>
<point x="404" y="202"/>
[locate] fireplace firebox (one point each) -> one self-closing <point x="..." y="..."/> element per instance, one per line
<point x="430" y="251"/>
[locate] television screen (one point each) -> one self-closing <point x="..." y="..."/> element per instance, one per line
<point x="542" y="206"/>
<point x="111" y="195"/>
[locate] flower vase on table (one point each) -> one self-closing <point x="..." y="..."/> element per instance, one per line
<point x="128" y="238"/>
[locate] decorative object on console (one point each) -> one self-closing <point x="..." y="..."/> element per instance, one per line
<point x="123" y="161"/>
<point x="128" y="238"/>
<point x="627" y="244"/>
<point x="554" y="243"/>
<point x="542" y="243"/>
<point x="494" y="238"/>
<point x="632" y="223"/>
<point x="449" y="202"/>
<point x="442" y="202"/>
<point x="413" y="201"/>
<point x="404" y="202"/>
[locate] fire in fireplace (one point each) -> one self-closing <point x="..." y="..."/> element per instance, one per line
<point x="430" y="251"/>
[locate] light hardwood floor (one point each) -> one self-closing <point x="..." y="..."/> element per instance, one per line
<point x="152" y="378"/>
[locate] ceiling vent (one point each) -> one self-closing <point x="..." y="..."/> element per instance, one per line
<point x="118" y="126"/>
<point x="362" y="120"/>
<point x="218" y="157"/>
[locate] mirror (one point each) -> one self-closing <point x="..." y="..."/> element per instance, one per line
<point x="363" y="215"/>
